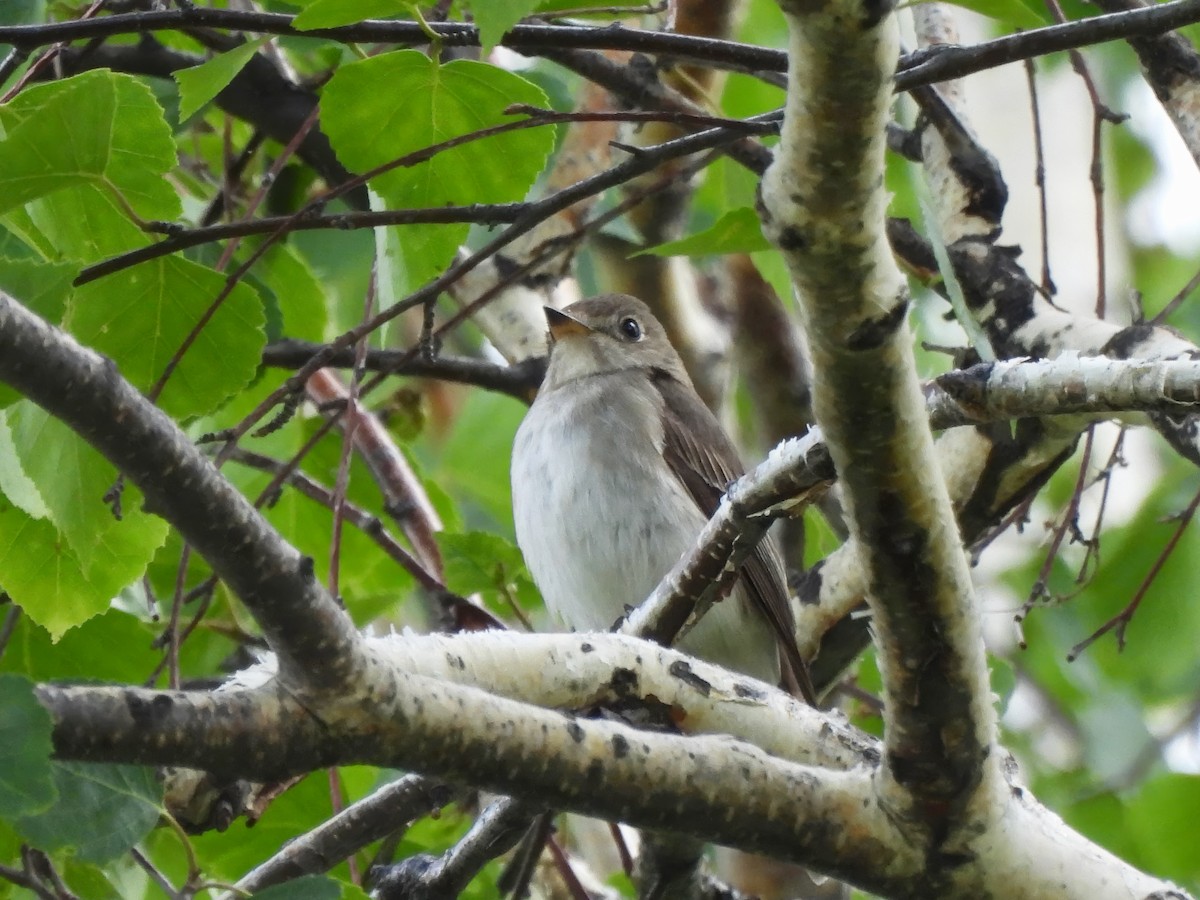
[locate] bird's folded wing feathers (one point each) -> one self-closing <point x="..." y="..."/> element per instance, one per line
<point x="706" y="462"/>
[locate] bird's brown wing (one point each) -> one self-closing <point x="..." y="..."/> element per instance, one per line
<point x="705" y="461"/>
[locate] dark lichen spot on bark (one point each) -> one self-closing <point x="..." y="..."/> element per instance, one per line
<point x="624" y="682"/>
<point x="620" y="746"/>
<point x="585" y="647"/>
<point x="808" y="585"/>
<point x="306" y="567"/>
<point x="748" y="691"/>
<point x="986" y="505"/>
<point x="506" y="266"/>
<point x="873" y="333"/>
<point x="1126" y="342"/>
<point x="1180" y="433"/>
<point x="594" y="774"/>
<point x="575" y="730"/>
<point x="684" y="673"/>
<point x="764" y="214"/>
<point x="874" y="12"/>
<point x="148" y="712"/>
<point x="945" y="860"/>
<point x="790" y="240"/>
<point x="456" y="662"/>
<point x="994" y="276"/>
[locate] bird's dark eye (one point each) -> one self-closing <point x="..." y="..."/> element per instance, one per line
<point x="631" y="329"/>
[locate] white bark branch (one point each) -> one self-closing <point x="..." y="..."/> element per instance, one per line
<point x="823" y="205"/>
<point x="713" y="787"/>
<point x="1068" y="385"/>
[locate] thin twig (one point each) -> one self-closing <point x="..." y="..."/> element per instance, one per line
<point x="1039" y="177"/>
<point x="1121" y="620"/>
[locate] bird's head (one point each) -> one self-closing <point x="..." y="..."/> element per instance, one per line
<point x="606" y="334"/>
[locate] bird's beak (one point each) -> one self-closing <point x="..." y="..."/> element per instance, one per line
<point x="563" y="325"/>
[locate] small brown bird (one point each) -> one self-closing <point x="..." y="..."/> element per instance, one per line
<point x="616" y="468"/>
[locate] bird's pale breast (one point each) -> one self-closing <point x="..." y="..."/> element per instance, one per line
<point x="600" y="517"/>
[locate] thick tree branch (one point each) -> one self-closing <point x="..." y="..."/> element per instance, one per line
<point x="1067" y="385"/>
<point x="403" y="720"/>
<point x="129" y="724"/>
<point x="823" y="205"/>
<point x="620" y="673"/>
<point x="712" y="787"/>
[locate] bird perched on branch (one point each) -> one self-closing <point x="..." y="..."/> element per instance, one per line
<point x="616" y="468"/>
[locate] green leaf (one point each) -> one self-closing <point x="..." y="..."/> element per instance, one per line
<point x="496" y="17"/>
<point x="331" y="13"/>
<point x="140" y="317"/>
<point x="426" y="104"/>
<point x="92" y="881"/>
<point x="65" y="573"/>
<point x="39" y="287"/>
<point x="44" y="576"/>
<point x="102" y="810"/>
<point x="73" y="479"/>
<point x="738" y="231"/>
<point x="485" y="563"/>
<point x="230" y="854"/>
<point x="22" y="12"/>
<point x="84" y="653"/>
<point x="471" y="463"/>
<point x="26" y="784"/>
<point x="479" y="561"/>
<point x="98" y="128"/>
<point x="82" y="224"/>
<point x="15" y="484"/>
<point x="1162" y="820"/>
<point x="298" y="295"/>
<point x="201" y="83"/>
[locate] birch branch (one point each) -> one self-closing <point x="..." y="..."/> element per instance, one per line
<point x="713" y="787"/>
<point x="823" y="205"/>
<point x="1067" y="385"/>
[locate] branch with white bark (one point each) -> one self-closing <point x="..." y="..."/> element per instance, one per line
<point x="823" y="205"/>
